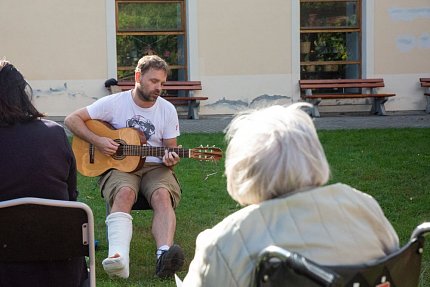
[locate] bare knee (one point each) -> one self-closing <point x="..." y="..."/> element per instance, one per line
<point x="161" y="198"/>
<point x="124" y="200"/>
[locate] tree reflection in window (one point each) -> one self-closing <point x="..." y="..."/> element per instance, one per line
<point x="147" y="28"/>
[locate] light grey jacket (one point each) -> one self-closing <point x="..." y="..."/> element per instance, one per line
<point x="331" y="225"/>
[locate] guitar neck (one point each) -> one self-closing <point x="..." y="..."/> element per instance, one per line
<point x="136" y="150"/>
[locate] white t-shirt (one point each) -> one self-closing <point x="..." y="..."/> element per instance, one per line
<point x="157" y="122"/>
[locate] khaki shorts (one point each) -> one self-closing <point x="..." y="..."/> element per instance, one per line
<point x="145" y="181"/>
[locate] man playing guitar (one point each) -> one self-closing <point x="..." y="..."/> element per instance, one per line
<point x="157" y="121"/>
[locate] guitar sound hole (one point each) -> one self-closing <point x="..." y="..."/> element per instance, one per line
<point x="119" y="155"/>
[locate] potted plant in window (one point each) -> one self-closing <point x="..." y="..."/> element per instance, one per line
<point x="330" y="47"/>
<point x="308" y="65"/>
<point x="351" y="21"/>
<point x="321" y="49"/>
<point x="305" y="44"/>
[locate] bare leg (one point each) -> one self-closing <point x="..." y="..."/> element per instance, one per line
<point x="164" y="218"/>
<point x="171" y="258"/>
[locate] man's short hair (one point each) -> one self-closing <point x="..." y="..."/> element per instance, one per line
<point x="151" y="62"/>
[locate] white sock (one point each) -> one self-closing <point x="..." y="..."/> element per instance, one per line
<point x="120" y="229"/>
<point x="161" y="249"/>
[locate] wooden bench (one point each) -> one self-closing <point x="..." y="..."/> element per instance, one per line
<point x="425" y="83"/>
<point x="179" y="93"/>
<point x="313" y="91"/>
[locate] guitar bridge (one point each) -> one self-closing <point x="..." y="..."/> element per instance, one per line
<point x="91" y="153"/>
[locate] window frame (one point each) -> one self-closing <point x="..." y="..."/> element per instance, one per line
<point x="332" y="29"/>
<point x="181" y="32"/>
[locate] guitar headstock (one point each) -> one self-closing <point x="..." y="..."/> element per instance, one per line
<point x="206" y="153"/>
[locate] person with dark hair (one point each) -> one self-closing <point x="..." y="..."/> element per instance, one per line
<point x="36" y="161"/>
<point x="157" y="121"/>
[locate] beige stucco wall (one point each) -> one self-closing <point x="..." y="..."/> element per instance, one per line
<point x="402" y="50"/>
<point x="244" y="49"/>
<point x="244" y="37"/>
<point x="60" y="47"/>
<point x="402" y="36"/>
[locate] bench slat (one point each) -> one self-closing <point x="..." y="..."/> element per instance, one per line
<point x="174" y="98"/>
<point x="342" y="85"/>
<point x="169" y="85"/>
<point x="186" y="86"/>
<point x="425" y="83"/>
<point x="125" y="83"/>
<point x="168" y="88"/>
<point x="182" y="83"/>
<point x="125" y="88"/>
<point x="336" y="81"/>
<point x="346" y="96"/>
<point x="321" y="85"/>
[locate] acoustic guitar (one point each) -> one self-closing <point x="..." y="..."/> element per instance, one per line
<point x="130" y="155"/>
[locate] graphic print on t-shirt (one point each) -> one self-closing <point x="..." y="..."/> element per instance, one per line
<point x="141" y="123"/>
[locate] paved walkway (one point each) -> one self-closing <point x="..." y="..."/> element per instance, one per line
<point x="414" y="119"/>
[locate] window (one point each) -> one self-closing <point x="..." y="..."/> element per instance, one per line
<point x="330" y="39"/>
<point x="151" y="27"/>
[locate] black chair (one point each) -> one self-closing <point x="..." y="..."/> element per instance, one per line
<point x="37" y="230"/>
<point x="279" y="267"/>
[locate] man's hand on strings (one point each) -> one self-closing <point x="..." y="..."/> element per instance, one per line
<point x="107" y="145"/>
<point x="170" y="158"/>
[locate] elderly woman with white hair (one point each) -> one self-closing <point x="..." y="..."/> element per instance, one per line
<point x="276" y="167"/>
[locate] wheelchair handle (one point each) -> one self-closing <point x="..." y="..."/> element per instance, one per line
<point x="311" y="270"/>
<point x="421" y="229"/>
<point x="302" y="266"/>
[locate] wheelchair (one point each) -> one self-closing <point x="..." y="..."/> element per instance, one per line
<point x="279" y="267"/>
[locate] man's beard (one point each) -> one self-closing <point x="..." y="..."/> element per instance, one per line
<point x="147" y="97"/>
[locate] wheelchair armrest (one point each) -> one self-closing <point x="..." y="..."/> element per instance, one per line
<point x="301" y="265"/>
<point x="313" y="271"/>
<point x="420" y="230"/>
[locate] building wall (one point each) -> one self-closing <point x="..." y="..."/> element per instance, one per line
<point x="402" y="49"/>
<point x="245" y="52"/>
<point x="244" y="49"/>
<point x="60" y="47"/>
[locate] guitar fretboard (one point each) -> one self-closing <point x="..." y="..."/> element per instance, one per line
<point x="136" y="150"/>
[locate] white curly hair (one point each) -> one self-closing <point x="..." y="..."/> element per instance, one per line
<point x="272" y="152"/>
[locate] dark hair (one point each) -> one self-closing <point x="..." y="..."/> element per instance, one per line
<point x="15" y="97"/>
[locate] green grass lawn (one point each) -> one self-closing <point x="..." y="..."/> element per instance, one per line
<point x="393" y="165"/>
